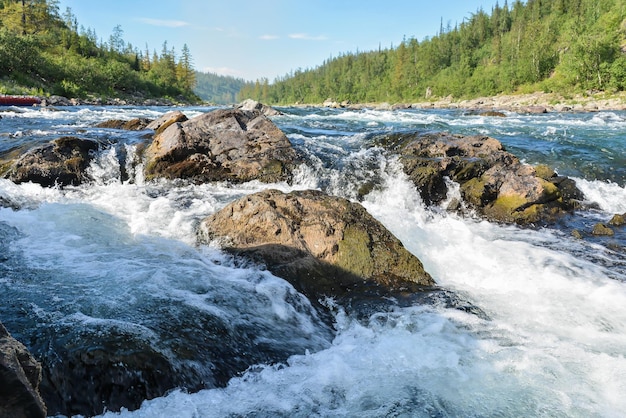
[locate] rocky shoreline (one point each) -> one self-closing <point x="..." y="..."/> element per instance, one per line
<point x="535" y="103"/>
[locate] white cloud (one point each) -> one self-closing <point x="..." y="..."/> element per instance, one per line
<point x="268" y="37"/>
<point x="164" y="23"/>
<point x="307" y="37"/>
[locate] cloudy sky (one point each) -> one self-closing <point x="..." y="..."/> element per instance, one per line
<point x="252" y="39"/>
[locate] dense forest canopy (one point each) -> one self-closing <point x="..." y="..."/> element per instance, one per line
<point x="560" y="46"/>
<point x="45" y="52"/>
<point x="218" y="89"/>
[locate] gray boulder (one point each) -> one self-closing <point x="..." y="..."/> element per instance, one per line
<point x="322" y="245"/>
<point x="225" y="144"/>
<point x="61" y="162"/>
<point x="493" y="181"/>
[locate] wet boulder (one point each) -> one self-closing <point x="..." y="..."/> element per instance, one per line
<point x="618" y="220"/>
<point x="322" y="245"/>
<point x="61" y="162"/>
<point x="20" y="375"/>
<point x="136" y="124"/>
<point x="222" y="145"/>
<point x="160" y="124"/>
<point x="493" y="181"/>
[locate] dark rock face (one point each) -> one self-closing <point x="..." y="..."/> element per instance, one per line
<point x="20" y="375"/>
<point x="61" y="162"/>
<point x="226" y="144"/>
<point x="321" y="244"/>
<point x="494" y="182"/>
<point x="112" y="371"/>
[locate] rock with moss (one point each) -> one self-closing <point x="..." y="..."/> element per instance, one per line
<point x="61" y="162"/>
<point x="222" y="145"/>
<point x="323" y="245"/>
<point x="618" y="220"/>
<point x="20" y="376"/>
<point x="493" y="181"/>
<point x="601" y="229"/>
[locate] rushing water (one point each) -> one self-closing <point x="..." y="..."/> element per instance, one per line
<point x="121" y="257"/>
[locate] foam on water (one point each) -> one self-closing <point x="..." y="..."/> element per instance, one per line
<point x="552" y="342"/>
<point x="611" y="197"/>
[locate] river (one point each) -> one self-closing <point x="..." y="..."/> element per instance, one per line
<point x="120" y="258"/>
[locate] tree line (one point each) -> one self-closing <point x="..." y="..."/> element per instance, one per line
<point x="218" y="89"/>
<point x="45" y="52"/>
<point x="550" y="45"/>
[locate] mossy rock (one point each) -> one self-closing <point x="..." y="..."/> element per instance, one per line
<point x="601" y="229"/>
<point x="544" y="172"/>
<point x="513" y="209"/>
<point x="618" y="220"/>
<point x="354" y="254"/>
<point x="550" y="191"/>
<point x="430" y="182"/>
<point x="474" y="192"/>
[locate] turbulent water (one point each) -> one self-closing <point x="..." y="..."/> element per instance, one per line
<point x="121" y="257"/>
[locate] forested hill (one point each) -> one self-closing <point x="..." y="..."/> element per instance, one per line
<point x="44" y="52"/>
<point x="562" y="46"/>
<point x="218" y="89"/>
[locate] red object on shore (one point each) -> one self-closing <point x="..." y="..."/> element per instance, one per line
<point x="19" y="100"/>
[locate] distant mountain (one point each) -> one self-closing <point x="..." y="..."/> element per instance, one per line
<point x="218" y="89"/>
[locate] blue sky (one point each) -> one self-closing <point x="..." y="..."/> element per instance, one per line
<point x="251" y="39"/>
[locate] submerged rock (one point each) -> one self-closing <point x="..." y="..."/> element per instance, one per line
<point x="225" y="144"/>
<point x="20" y="375"/>
<point x="136" y="124"/>
<point x="61" y="162"/>
<point x="618" y="220"/>
<point x="493" y="181"/>
<point x="322" y="245"/>
<point x="601" y="229"/>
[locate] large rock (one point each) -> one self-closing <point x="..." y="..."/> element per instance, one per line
<point x="493" y="181"/>
<point x="250" y="104"/>
<point x="162" y="123"/>
<point x="61" y="162"/>
<point x="323" y="245"/>
<point x="20" y="375"/>
<point x="225" y="144"/>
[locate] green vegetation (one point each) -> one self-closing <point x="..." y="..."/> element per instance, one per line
<point x="561" y="46"/>
<point x="42" y="52"/>
<point x="218" y="89"/>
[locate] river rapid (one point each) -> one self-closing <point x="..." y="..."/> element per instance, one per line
<point x="120" y="257"/>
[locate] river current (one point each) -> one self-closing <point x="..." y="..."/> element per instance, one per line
<point x="121" y="257"/>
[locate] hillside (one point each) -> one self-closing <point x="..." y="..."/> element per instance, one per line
<point x="44" y="53"/>
<point x="218" y="89"/>
<point x="561" y="46"/>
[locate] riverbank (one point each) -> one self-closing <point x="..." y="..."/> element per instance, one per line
<point x="538" y="102"/>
